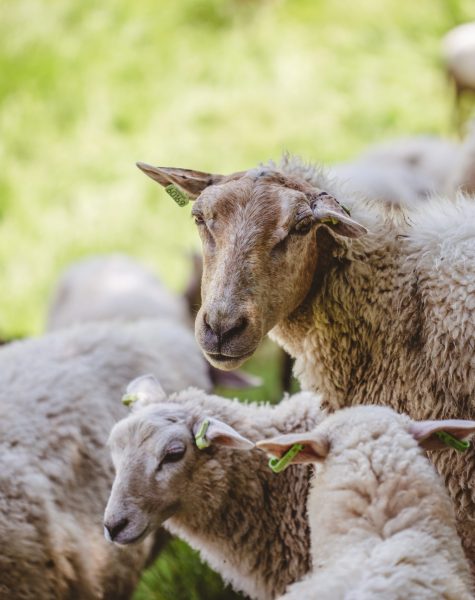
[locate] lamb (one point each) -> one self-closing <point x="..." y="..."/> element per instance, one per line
<point x="58" y="402"/>
<point x="381" y="522"/>
<point x="385" y="317"/>
<point x="249" y="524"/>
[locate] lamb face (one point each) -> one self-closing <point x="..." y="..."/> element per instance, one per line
<point x="159" y="469"/>
<point x="258" y="231"/>
<point x="153" y="459"/>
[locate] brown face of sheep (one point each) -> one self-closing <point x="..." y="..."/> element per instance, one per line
<point x="258" y="231"/>
<point x="159" y="469"/>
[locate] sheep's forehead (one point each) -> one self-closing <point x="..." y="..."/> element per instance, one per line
<point x="147" y="426"/>
<point x="268" y="200"/>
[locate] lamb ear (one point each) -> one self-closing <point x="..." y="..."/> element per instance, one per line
<point x="191" y="182"/>
<point x="328" y="211"/>
<point x="212" y="431"/>
<point x="142" y="391"/>
<point x="425" y="432"/>
<point x="315" y="446"/>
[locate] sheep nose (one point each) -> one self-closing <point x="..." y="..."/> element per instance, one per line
<point x="114" y="529"/>
<point x="223" y="328"/>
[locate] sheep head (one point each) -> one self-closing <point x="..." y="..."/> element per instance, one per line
<point x="258" y="232"/>
<point x="160" y="472"/>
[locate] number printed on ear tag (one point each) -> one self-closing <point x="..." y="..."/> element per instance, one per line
<point x="180" y="197"/>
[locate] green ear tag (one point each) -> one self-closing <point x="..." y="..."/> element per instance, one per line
<point x="450" y="440"/>
<point x="200" y="437"/>
<point x="280" y="464"/>
<point x="180" y="197"/>
<point x="330" y="220"/>
<point x="129" y="399"/>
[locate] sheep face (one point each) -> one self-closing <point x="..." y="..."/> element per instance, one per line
<point x="159" y="469"/>
<point x="258" y="231"/>
<point x="153" y="458"/>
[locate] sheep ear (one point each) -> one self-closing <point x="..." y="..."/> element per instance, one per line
<point x="142" y="391"/>
<point x="191" y="182"/>
<point x="427" y="433"/>
<point x="315" y="446"/>
<point x="210" y="431"/>
<point x="328" y="211"/>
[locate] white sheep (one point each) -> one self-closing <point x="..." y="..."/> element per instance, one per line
<point x="458" y="51"/>
<point x="58" y="402"/>
<point x="402" y="171"/>
<point x="248" y="523"/>
<point x="117" y="288"/>
<point x="381" y="522"/>
<point x="386" y="317"/>
<point x="111" y="287"/>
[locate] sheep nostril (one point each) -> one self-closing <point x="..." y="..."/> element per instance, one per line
<point x="235" y="329"/>
<point x="115" y="529"/>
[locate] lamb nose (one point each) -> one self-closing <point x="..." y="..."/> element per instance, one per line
<point x="114" y="530"/>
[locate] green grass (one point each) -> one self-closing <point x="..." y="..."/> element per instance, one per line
<point x="88" y="88"/>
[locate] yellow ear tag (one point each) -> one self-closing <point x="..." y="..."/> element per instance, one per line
<point x="180" y="197"/>
<point x="129" y="399"/>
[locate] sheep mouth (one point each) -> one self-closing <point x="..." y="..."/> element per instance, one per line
<point x="126" y="541"/>
<point x="223" y="361"/>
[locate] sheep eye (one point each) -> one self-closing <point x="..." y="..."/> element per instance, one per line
<point x="199" y="219"/>
<point x="174" y="454"/>
<point x="303" y="226"/>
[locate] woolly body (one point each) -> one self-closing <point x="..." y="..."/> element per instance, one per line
<point x="382" y="524"/>
<point x="392" y="322"/>
<point x="58" y="401"/>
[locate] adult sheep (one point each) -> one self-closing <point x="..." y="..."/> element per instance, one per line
<point x="58" y="402"/>
<point x="402" y="171"/>
<point x="385" y="318"/>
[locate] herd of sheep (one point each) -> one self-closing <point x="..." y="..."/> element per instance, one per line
<point x="364" y="273"/>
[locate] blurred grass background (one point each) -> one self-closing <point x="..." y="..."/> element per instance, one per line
<point x="88" y="88"/>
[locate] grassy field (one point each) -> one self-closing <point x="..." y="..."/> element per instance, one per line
<point x="88" y="88"/>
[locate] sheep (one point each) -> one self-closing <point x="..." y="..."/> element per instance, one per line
<point x="111" y="287"/>
<point x="381" y="522"/>
<point x="391" y="183"/>
<point x="458" y="50"/>
<point x="401" y="171"/>
<point x="249" y="524"/>
<point x="117" y="288"/>
<point x="58" y="402"/>
<point x="385" y="317"/>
